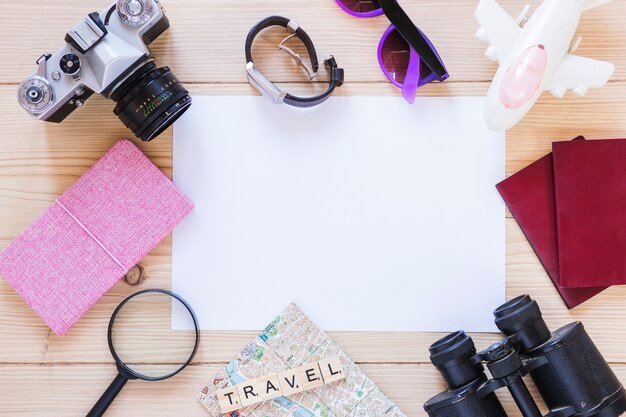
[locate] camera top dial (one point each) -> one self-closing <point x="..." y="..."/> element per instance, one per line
<point x="134" y="12"/>
<point x="70" y="64"/>
<point x="35" y="94"/>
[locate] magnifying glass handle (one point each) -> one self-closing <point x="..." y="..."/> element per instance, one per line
<point x="109" y="395"/>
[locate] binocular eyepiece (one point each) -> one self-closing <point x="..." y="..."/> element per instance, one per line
<point x="520" y="320"/>
<point x="571" y="375"/>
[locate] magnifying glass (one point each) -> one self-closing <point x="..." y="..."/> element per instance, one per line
<point x="143" y="344"/>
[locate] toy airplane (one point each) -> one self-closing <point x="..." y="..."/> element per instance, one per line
<point x="535" y="57"/>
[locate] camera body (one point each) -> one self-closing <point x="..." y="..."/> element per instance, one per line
<point x="567" y="368"/>
<point x="107" y="53"/>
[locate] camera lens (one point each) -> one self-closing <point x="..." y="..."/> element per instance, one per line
<point x="521" y="320"/>
<point x="452" y="355"/>
<point x="150" y="101"/>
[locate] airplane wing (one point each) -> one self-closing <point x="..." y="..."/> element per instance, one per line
<point x="579" y="75"/>
<point x="497" y="28"/>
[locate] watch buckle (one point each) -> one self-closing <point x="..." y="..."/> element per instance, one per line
<point x="309" y="72"/>
<point x="263" y="85"/>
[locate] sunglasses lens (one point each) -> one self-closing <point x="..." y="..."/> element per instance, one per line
<point x="360" y="6"/>
<point x="395" y="56"/>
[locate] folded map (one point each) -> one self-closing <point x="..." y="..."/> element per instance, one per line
<point x="288" y="342"/>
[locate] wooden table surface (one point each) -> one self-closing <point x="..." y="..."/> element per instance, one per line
<point x="45" y="375"/>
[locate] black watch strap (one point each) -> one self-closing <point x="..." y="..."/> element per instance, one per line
<point x="336" y="80"/>
<point x="284" y="22"/>
<point x="336" y="73"/>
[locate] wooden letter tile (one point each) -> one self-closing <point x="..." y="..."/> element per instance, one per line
<point x="290" y="382"/>
<point x="248" y="392"/>
<point x="228" y="398"/>
<point x="269" y="387"/>
<point x="310" y="376"/>
<point x="332" y="370"/>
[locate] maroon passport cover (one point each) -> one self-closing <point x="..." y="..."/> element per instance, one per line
<point x="530" y="196"/>
<point x="590" y="182"/>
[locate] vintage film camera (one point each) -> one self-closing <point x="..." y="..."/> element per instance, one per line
<point x="108" y="53"/>
<point x="570" y="373"/>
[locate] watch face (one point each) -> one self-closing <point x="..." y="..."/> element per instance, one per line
<point x="134" y="12"/>
<point x="35" y="94"/>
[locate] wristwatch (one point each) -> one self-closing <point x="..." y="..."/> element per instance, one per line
<point x="269" y="89"/>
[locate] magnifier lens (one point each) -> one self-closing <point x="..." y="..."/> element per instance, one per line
<point x="142" y="339"/>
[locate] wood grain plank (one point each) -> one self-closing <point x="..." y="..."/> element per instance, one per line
<point x="206" y="38"/>
<point x="599" y="115"/>
<point x="86" y="341"/>
<point x="71" y="390"/>
<point x="41" y="375"/>
<point x="54" y="155"/>
<point x="38" y="161"/>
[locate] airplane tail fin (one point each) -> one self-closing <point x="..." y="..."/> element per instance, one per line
<point x="590" y="4"/>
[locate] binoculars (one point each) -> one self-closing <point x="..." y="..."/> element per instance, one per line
<point x="568" y="370"/>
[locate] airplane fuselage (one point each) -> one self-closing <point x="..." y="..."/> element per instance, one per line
<point x="534" y="58"/>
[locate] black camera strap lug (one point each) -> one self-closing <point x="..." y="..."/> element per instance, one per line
<point x="41" y="65"/>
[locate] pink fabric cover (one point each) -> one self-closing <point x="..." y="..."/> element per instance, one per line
<point x="97" y="230"/>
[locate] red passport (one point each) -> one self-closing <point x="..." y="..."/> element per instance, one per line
<point x="590" y="182"/>
<point x="530" y="195"/>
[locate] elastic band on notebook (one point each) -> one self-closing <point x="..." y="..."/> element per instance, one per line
<point x="78" y="222"/>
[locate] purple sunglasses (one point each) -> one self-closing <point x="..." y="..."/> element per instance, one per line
<point x="400" y="62"/>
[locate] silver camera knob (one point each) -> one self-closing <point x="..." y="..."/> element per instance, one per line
<point x="134" y="12"/>
<point x="35" y="94"/>
<point x="70" y="65"/>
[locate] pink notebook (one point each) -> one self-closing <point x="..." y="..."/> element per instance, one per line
<point x="92" y="235"/>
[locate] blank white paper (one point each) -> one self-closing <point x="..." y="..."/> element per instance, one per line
<point x="369" y="213"/>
